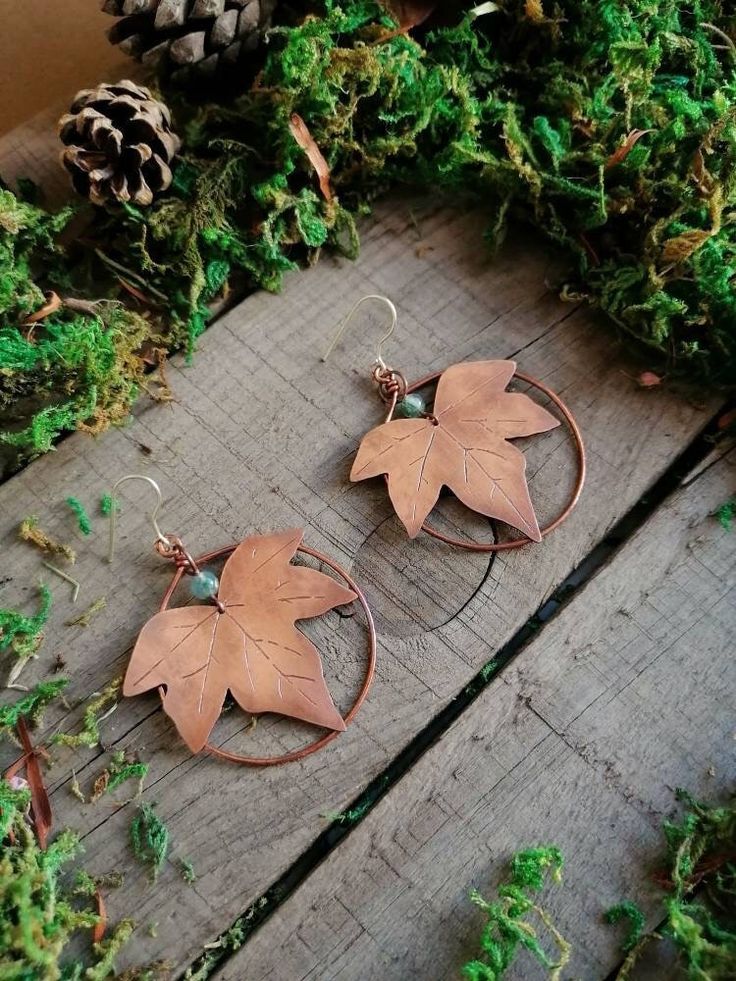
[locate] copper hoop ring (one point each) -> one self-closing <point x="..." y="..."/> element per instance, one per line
<point x="577" y="489"/>
<point x="317" y="744"/>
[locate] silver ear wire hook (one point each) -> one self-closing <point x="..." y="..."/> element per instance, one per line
<point x="341" y="329"/>
<point x="160" y="537"/>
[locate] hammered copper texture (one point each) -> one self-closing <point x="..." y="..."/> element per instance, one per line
<point x="464" y="445"/>
<point x="251" y="647"/>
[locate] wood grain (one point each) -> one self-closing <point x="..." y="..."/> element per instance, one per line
<point x="32" y="151"/>
<point x="626" y="695"/>
<point x="261" y="437"/>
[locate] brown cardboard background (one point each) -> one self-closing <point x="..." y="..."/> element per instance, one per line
<point x="48" y="50"/>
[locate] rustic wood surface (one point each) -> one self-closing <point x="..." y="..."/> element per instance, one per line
<point x="626" y="695"/>
<point x="32" y="151"/>
<point x="260" y="437"/>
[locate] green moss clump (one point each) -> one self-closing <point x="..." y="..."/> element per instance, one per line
<point x="30" y="706"/>
<point x="36" y="920"/>
<point x="697" y="910"/>
<point x="609" y="126"/>
<point x="187" y="871"/>
<point x="28" y="235"/>
<point x="149" y="838"/>
<point x="726" y="513"/>
<point x="119" y="770"/>
<point x="38" y="915"/>
<point x="108" y="504"/>
<point x="628" y="912"/>
<point x="80" y="512"/>
<point x="97" y="710"/>
<point x="702" y="847"/>
<point x="508" y="928"/>
<point x="21" y="634"/>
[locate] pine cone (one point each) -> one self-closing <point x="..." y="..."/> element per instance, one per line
<point x="190" y="39"/>
<point x="119" y="144"/>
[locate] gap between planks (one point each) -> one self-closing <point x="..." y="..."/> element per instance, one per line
<point x="579" y="743"/>
<point x="692" y="463"/>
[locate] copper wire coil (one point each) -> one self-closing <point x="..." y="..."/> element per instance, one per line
<point x="392" y="385"/>
<point x="410" y="388"/>
<point x="322" y="741"/>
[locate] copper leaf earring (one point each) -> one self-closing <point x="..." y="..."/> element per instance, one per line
<point x="460" y="441"/>
<point x="243" y="639"/>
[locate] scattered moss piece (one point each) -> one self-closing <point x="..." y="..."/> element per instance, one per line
<point x="84" y="619"/>
<point x="187" y="871"/>
<point x="94" y="714"/>
<point x="149" y="838"/>
<point x="87" y="885"/>
<point x="84" y="884"/>
<point x="31" y="706"/>
<point x="488" y="670"/>
<point x="631" y="912"/>
<point x="700" y="853"/>
<point x="230" y="941"/>
<point x="75" y="790"/>
<point x="110" y="880"/>
<point x="29" y="531"/>
<point x="156" y="971"/>
<point x="12" y="803"/>
<point x="120" y="769"/>
<point x="21" y="634"/>
<point x="726" y="513"/>
<point x="364" y="804"/>
<point x="107" y="950"/>
<point x="36" y="919"/>
<point x="702" y="848"/>
<point x="351" y="816"/>
<point x="507" y="928"/>
<point x="83" y="520"/>
<point x="108" y="504"/>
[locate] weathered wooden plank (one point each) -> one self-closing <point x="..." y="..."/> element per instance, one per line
<point x="626" y="695"/>
<point x="32" y="151"/>
<point x="261" y="437"/>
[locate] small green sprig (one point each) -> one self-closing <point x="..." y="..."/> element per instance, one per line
<point x="149" y="838"/>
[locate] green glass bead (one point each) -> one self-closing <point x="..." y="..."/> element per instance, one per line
<point x="204" y="585"/>
<point x="410" y="407"/>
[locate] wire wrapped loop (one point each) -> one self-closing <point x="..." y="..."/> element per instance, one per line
<point x="172" y="547"/>
<point x="392" y="385"/>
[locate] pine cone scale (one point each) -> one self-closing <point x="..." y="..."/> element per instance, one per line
<point x="171" y="14"/>
<point x="188" y="50"/>
<point x="224" y="29"/>
<point x="208" y="8"/>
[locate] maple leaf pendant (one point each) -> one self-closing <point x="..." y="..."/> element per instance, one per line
<point x="464" y="445"/>
<point x="247" y="644"/>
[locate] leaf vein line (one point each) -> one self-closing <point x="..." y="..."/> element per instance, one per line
<point x="394" y="441"/>
<point x="270" y="660"/>
<point x="454" y="405"/>
<point x="496" y="483"/>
